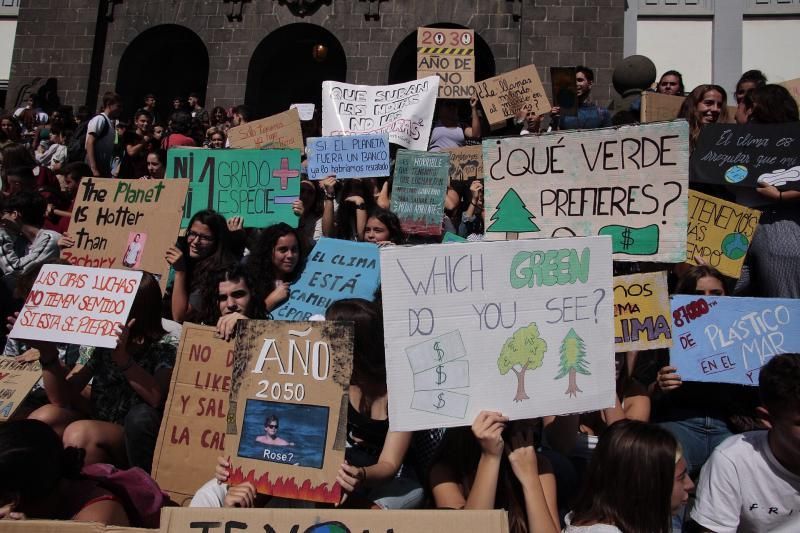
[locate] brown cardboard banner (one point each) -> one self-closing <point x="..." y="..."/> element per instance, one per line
<point x="505" y="95"/>
<point x="287" y="415"/>
<point x="466" y="163"/>
<point x="657" y="107"/>
<point x="278" y="131"/>
<point x="126" y="224"/>
<point x="65" y="526"/>
<point x="793" y="86"/>
<point x="450" y="54"/>
<point x="176" y="520"/>
<point x="16" y="382"/>
<point x="192" y="431"/>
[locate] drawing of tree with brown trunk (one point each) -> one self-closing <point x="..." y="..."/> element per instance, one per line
<point x="525" y="349"/>
<point x="573" y="361"/>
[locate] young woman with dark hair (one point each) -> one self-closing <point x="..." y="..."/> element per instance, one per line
<point x="119" y="423"/>
<point x="383" y="227"/>
<point x="494" y="465"/>
<point x="206" y="247"/>
<point x="772" y="265"/>
<point x="40" y="479"/>
<point x="372" y="473"/>
<point x="701" y="415"/>
<point x="706" y="104"/>
<point x="275" y="263"/>
<point x="344" y="214"/>
<point x="636" y="480"/>
<point x="752" y="79"/>
<point x="671" y="82"/>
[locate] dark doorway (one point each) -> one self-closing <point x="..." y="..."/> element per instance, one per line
<point x="403" y="66"/>
<point x="168" y="61"/>
<point x="289" y="66"/>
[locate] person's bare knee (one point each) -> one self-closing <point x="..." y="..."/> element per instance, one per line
<point x="56" y="417"/>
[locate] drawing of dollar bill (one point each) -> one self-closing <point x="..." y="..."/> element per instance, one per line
<point x="436" y="351"/>
<point x="441" y="402"/>
<point x="452" y="375"/>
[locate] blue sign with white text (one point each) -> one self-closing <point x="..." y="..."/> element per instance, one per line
<point x="353" y="156"/>
<point x="335" y="270"/>
<point x="727" y="340"/>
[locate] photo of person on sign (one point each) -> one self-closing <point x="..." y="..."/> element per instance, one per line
<point x="133" y="253"/>
<point x="270" y="436"/>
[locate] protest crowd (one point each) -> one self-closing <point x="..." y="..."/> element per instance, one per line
<point x="665" y="451"/>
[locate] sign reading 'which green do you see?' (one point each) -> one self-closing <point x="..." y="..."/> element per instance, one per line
<point x="257" y="185"/>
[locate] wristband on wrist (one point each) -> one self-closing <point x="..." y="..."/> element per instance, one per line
<point x="780" y="197"/>
<point x="361" y="207"/>
<point x="329" y="196"/>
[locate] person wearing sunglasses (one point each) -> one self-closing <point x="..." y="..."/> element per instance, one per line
<point x="270" y="436"/>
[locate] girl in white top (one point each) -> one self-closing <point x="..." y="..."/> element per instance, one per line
<point x="636" y="479"/>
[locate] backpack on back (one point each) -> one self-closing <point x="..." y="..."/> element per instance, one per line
<point x="76" y="149"/>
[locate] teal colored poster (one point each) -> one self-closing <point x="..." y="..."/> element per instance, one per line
<point x="727" y="340"/>
<point x="257" y="185"/>
<point x="418" y="190"/>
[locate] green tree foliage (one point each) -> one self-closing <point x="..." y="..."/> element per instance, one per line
<point x="525" y="349"/>
<point x="573" y="361"/>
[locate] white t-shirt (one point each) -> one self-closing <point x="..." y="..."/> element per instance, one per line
<point x="133" y="253"/>
<point x="103" y="146"/>
<point x="594" y="528"/>
<point x="744" y="488"/>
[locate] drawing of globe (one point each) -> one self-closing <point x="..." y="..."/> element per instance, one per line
<point x="736" y="173"/>
<point x="734" y="246"/>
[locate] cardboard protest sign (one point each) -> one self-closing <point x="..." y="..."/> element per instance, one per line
<point x="522" y="327"/>
<point x="306" y="111"/>
<point x="77" y="305"/>
<point x="449" y="54"/>
<point x="192" y="431"/>
<point x="747" y="154"/>
<point x="177" y="520"/>
<point x="66" y="526"/>
<point x="505" y="95"/>
<point x="335" y="270"/>
<point x="16" y="382"/>
<point x="727" y="340"/>
<point x="278" y="131"/>
<point x="719" y="232"/>
<point x="627" y="182"/>
<point x="565" y="91"/>
<point x="126" y="223"/>
<point x="466" y="163"/>
<point x="793" y="86"/>
<point x="641" y="312"/>
<point x="657" y="107"/>
<point x="404" y="110"/>
<point x="354" y="156"/>
<point x="287" y="418"/>
<point x="418" y="190"/>
<point x="257" y="185"/>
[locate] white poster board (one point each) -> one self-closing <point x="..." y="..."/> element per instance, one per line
<point x="404" y="110"/>
<point x="524" y="327"/>
<point x="77" y="305"/>
<point x="630" y="183"/>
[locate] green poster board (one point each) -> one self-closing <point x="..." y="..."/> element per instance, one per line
<point x="418" y="190"/>
<point x="257" y="185"/>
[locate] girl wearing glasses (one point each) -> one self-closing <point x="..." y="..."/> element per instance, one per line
<point x="206" y="247"/>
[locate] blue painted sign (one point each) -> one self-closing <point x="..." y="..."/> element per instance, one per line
<point x="728" y="340"/>
<point x="355" y="156"/>
<point x="335" y="270"/>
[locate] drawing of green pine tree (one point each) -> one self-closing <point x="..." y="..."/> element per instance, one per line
<point x="573" y="361"/>
<point x="512" y="217"/>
